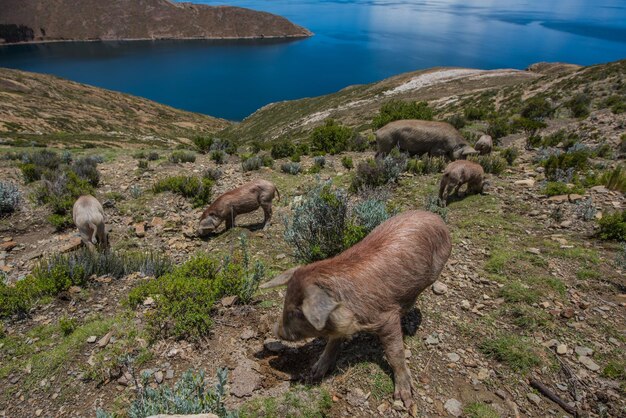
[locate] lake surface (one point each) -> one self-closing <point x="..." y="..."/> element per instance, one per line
<point x="355" y="42"/>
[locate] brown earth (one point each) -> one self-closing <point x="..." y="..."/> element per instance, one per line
<point x="66" y="20"/>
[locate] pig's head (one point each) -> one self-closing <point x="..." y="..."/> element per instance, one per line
<point x="463" y="152"/>
<point x="309" y="309"/>
<point x="208" y="224"/>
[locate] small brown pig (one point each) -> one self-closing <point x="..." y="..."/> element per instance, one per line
<point x="368" y="287"/>
<point x="243" y="199"/>
<point x="458" y="173"/>
<point x="484" y="145"/>
<point x="88" y="216"/>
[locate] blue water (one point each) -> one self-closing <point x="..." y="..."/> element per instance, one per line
<point x="356" y="41"/>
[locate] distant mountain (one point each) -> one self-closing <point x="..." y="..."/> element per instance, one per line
<point x="58" y="20"/>
<point x="48" y="110"/>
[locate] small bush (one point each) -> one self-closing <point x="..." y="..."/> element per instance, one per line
<point x="426" y="165"/>
<point x="347" y="163"/>
<point x="66" y="157"/>
<point x="397" y="110"/>
<point x="135" y="191"/>
<point x="476" y="113"/>
<point x="358" y="143"/>
<point x="142" y="165"/>
<point x="586" y="210"/>
<point x="139" y="155"/>
<point x="617" y="104"/>
<point x="319" y="161"/>
<point x="556" y="188"/>
<point x="182" y="157"/>
<point x="203" y="143"/>
<point x="10" y="197"/>
<point x="576" y="159"/>
<point x="331" y="138"/>
<point x="498" y="128"/>
<point x="291" y="168"/>
<point x="282" y="149"/>
<point x="212" y="174"/>
<point x="87" y="169"/>
<point x="537" y="108"/>
<point x="185" y="298"/>
<point x="295" y="158"/>
<point x="267" y="161"/>
<point x="379" y="172"/>
<point x="579" y="105"/>
<point x="456" y="120"/>
<point x="513" y="351"/>
<point x="614" y="179"/>
<point x="434" y="205"/>
<point x="323" y="225"/>
<point x="197" y="189"/>
<point x="566" y="139"/>
<point x="59" y="191"/>
<point x="225" y="145"/>
<point x="492" y="164"/>
<point x="153" y="156"/>
<point x="613" y="226"/>
<point x="252" y="164"/>
<point x="67" y="325"/>
<point x="190" y="395"/>
<point x="509" y="154"/>
<point x="218" y="156"/>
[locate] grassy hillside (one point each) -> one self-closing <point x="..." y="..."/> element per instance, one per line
<point x="50" y="110"/>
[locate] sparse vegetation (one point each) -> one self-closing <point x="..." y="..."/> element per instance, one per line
<point x="397" y="110"/>
<point x="492" y="164"/>
<point x="331" y="138"/>
<point x="614" y="179"/>
<point x="347" y="163"/>
<point x="556" y="188"/>
<point x="219" y="156"/>
<point x="426" y="165"/>
<point x="10" y="197"/>
<point x="252" y="163"/>
<point x="480" y="410"/>
<point x="291" y="168"/>
<point x="613" y="226"/>
<point x="434" y="205"/>
<point x="579" y="105"/>
<point x="181" y="156"/>
<point x="512" y="350"/>
<point x="199" y="190"/>
<point x="377" y="172"/>
<point x="509" y="154"/>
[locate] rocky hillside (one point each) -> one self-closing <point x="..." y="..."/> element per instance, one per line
<point x="448" y="91"/>
<point x="51" y="110"/>
<point x="65" y="20"/>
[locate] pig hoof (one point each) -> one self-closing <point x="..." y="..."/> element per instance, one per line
<point x="318" y="371"/>
<point x="406" y="396"/>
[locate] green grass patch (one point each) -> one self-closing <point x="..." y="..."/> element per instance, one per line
<point x="299" y="402"/>
<point x="514" y="351"/>
<point x="199" y="190"/>
<point x="480" y="410"/>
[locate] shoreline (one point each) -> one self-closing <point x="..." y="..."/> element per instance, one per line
<point x="188" y="38"/>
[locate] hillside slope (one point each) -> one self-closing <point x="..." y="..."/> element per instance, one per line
<point x="49" y="109"/>
<point x="33" y="20"/>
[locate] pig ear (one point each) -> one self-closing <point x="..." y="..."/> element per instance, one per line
<point x="281" y="279"/>
<point x="317" y="306"/>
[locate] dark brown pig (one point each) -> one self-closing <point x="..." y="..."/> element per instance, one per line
<point x="243" y="199"/>
<point x="459" y="173"/>
<point x="368" y="287"/>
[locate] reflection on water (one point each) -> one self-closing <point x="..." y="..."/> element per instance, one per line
<point x="355" y="42"/>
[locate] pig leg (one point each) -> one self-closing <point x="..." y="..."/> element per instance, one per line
<point x="267" y="214"/>
<point x="391" y="337"/>
<point x="230" y="220"/>
<point x="327" y="359"/>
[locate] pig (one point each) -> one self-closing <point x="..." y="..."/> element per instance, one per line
<point x="419" y="137"/>
<point x="88" y="216"/>
<point x="366" y="288"/>
<point x="243" y="199"/>
<point x="458" y="173"/>
<point x="484" y="145"/>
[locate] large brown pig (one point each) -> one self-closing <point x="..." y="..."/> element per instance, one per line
<point x="243" y="199"/>
<point x="419" y="137"/>
<point x="457" y="174"/>
<point x="88" y="216"/>
<point x="368" y="287"/>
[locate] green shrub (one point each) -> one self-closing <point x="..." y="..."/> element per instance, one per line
<point x="579" y="105"/>
<point x="190" y="395"/>
<point x="225" y="145"/>
<point x="617" y="104"/>
<point x="291" y="168"/>
<point x="456" y="120"/>
<point x="614" y="179"/>
<point x="516" y="352"/>
<point x="426" y="165"/>
<point x="322" y="225"/>
<point x="492" y="164"/>
<point x="252" y="164"/>
<point x="182" y="157"/>
<point x="537" y="108"/>
<point x="320" y="161"/>
<point x="509" y="154"/>
<point x="139" y="155"/>
<point x="528" y="126"/>
<point x="10" y="197"/>
<point x="267" y="161"/>
<point x="212" y="174"/>
<point x="576" y="159"/>
<point x="195" y="188"/>
<point x="59" y="192"/>
<point x="480" y="410"/>
<point x="556" y="188"/>
<point x="498" y="128"/>
<point x="282" y="149"/>
<point x="135" y="191"/>
<point x="203" y="143"/>
<point x="331" y="138"/>
<point x="358" y="143"/>
<point x="67" y="325"/>
<point x="613" y="226"/>
<point x="218" y="156"/>
<point x="433" y="204"/>
<point x="567" y="139"/>
<point x="142" y="164"/>
<point x="60" y="222"/>
<point x="397" y="110"/>
<point x="30" y="172"/>
<point x="347" y="162"/>
<point x="378" y="172"/>
<point x="476" y="112"/>
<point x="66" y="157"/>
<point x="153" y="156"/>
<point x="295" y="158"/>
<point x="185" y="298"/>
